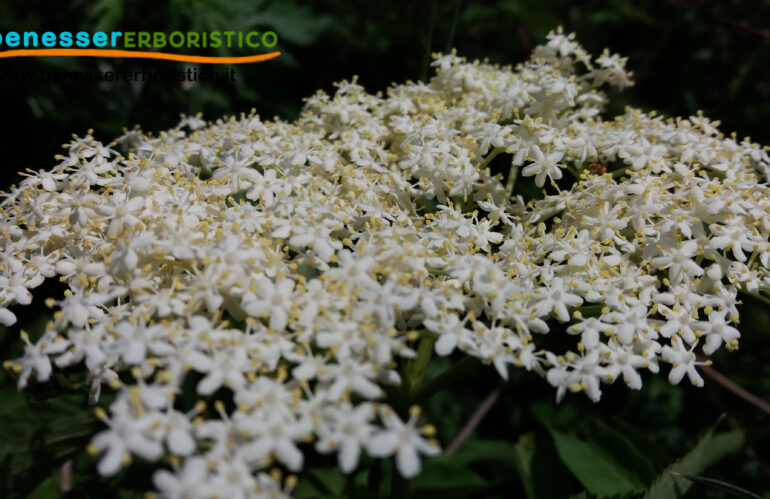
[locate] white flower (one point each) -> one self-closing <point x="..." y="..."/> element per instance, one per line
<point x="278" y="435"/>
<point x="121" y="211"/>
<point x="190" y="482"/>
<point x="236" y="173"/>
<point x="680" y="321"/>
<point x="318" y="238"/>
<point x="631" y="323"/>
<point x="266" y="187"/>
<point x="274" y="300"/>
<point x="718" y="331"/>
<point x="35" y="359"/>
<point x="78" y="308"/>
<point x="227" y="368"/>
<point x="403" y="440"/>
<point x="127" y="434"/>
<point x="352" y="375"/>
<point x="7" y="318"/>
<point x="734" y="237"/>
<point x="589" y="330"/>
<point x="382" y="301"/>
<point x="556" y="298"/>
<point x="682" y="362"/>
<point x="643" y="153"/>
<point x="624" y="362"/>
<point x="678" y="261"/>
<point x="451" y="331"/>
<point x="349" y="429"/>
<point x="544" y="165"/>
<point x="589" y="372"/>
<point x="179" y="437"/>
<point x="234" y="479"/>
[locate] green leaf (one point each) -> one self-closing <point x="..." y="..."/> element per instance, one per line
<point x="320" y="482"/>
<point x="729" y="488"/>
<point x="620" y="448"/>
<point x="332" y="480"/>
<point x="539" y="468"/>
<point x="48" y="489"/>
<point x="105" y="14"/>
<point x="441" y="479"/>
<point x="427" y="204"/>
<point x="643" y="443"/>
<point x="474" y="451"/>
<point x="36" y="437"/>
<point x="308" y="271"/>
<point x="722" y="445"/>
<point x="492" y="460"/>
<point x="631" y="458"/>
<point x="293" y="23"/>
<point x="597" y="471"/>
<point x="550" y="415"/>
<point x="672" y="482"/>
<point x="524" y="454"/>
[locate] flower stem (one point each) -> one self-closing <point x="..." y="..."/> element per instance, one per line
<point x="763" y="299"/>
<point x="437" y="271"/>
<point x="490" y="157"/>
<point x="511" y="182"/>
<point x="591" y="310"/>
<point x="736" y="389"/>
<point x="621" y="172"/>
<point x="453" y="25"/>
<point x="429" y="41"/>
<point x="415" y="369"/>
<point x="475" y="419"/>
<point x="575" y="173"/>
<point x="752" y="258"/>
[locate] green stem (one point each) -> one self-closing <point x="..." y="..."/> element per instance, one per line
<point x="453" y="26"/>
<point x="752" y="258"/>
<point x="511" y="182"/>
<point x="758" y="296"/>
<point x="620" y="173"/>
<point x="490" y="157"/>
<point x="590" y="310"/>
<point x="415" y="369"/>
<point x="431" y="26"/>
<point x="573" y="171"/>
<point x="436" y="271"/>
<point x="413" y="372"/>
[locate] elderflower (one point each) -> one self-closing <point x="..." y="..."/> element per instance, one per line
<point x="283" y="270"/>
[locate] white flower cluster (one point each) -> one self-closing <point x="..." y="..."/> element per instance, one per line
<point x="284" y="269"/>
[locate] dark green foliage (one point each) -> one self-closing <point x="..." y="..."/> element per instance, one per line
<point x="686" y="55"/>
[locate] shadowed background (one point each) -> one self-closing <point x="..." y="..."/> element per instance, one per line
<point x="686" y="55"/>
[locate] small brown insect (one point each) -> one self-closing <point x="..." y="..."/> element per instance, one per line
<point x="597" y="168"/>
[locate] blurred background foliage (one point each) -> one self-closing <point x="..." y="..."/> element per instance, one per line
<point x="686" y="55"/>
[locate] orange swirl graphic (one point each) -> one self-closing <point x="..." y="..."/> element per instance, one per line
<point x="136" y="55"/>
